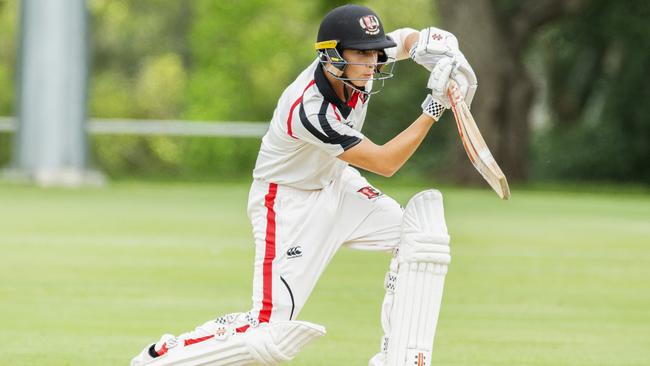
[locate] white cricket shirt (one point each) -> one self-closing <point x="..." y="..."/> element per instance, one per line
<point x="311" y="126"/>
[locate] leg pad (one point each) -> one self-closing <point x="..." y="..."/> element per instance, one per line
<point x="233" y="340"/>
<point x="423" y="259"/>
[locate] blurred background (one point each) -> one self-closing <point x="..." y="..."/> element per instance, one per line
<point x="561" y="98"/>
<point x="154" y="110"/>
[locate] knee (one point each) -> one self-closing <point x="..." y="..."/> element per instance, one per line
<point x="424" y="231"/>
<point x="425" y="213"/>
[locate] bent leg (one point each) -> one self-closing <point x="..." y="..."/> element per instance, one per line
<point x="296" y="236"/>
<point x="297" y="233"/>
<point x="423" y="259"/>
<point x="414" y="284"/>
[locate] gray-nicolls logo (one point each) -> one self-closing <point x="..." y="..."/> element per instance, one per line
<point x="294" y="252"/>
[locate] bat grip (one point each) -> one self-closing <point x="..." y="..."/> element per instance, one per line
<point x="453" y="93"/>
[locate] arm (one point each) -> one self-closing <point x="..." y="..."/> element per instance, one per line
<point x="410" y="40"/>
<point x="405" y="39"/>
<point x="387" y="159"/>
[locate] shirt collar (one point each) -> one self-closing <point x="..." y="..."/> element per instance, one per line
<point x="328" y="92"/>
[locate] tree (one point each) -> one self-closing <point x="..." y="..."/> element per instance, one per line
<point x="495" y="35"/>
<point x="596" y="67"/>
<point x="8" y="15"/>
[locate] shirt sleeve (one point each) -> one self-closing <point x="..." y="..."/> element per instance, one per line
<point x="399" y="36"/>
<point x="320" y="124"/>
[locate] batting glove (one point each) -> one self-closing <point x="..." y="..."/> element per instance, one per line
<point x="435" y="46"/>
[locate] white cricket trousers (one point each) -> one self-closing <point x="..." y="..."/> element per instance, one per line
<point x="297" y="232"/>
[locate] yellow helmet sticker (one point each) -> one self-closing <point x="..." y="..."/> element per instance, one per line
<point x="326" y="44"/>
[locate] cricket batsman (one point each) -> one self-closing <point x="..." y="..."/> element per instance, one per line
<point x="307" y="200"/>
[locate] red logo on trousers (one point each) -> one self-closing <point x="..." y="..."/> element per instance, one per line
<point x="370" y="192"/>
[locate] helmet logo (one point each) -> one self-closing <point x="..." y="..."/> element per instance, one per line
<point x="370" y="24"/>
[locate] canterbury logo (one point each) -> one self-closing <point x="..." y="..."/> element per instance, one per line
<point x="294" y="252"/>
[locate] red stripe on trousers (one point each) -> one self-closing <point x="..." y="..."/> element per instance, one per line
<point x="294" y="105"/>
<point x="269" y="255"/>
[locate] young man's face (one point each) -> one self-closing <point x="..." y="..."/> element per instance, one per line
<point x="360" y="74"/>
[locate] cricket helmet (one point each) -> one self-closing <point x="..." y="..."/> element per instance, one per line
<point x="357" y="28"/>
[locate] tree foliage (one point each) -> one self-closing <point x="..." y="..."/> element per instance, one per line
<point x="597" y="87"/>
<point x="230" y="60"/>
<point x="8" y="11"/>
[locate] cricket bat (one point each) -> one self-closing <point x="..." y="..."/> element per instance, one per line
<point x="475" y="145"/>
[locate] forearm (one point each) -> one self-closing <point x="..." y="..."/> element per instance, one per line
<point x="400" y="148"/>
<point x="389" y="158"/>
<point x="410" y="40"/>
<point x="405" y="39"/>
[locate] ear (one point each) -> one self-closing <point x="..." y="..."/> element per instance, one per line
<point x="333" y="69"/>
<point x="381" y="59"/>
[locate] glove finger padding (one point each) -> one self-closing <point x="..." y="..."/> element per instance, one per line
<point x="464" y="76"/>
<point x="439" y="80"/>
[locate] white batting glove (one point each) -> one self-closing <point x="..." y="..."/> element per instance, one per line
<point x="464" y="76"/>
<point x="435" y="45"/>
<point x="439" y="80"/>
<point x="437" y="101"/>
<point x="452" y="69"/>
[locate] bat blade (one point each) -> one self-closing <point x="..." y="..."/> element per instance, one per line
<point x="475" y="147"/>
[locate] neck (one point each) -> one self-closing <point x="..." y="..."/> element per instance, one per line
<point x="338" y="86"/>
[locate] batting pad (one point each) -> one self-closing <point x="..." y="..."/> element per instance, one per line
<point x="229" y="352"/>
<point x="267" y="344"/>
<point x="277" y="342"/>
<point x="423" y="259"/>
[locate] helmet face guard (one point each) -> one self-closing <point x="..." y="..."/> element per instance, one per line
<point x="353" y="27"/>
<point x="334" y="64"/>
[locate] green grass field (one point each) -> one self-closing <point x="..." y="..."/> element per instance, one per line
<point x="88" y="276"/>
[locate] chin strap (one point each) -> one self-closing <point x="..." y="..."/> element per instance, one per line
<point x="339" y="75"/>
<point x="334" y="71"/>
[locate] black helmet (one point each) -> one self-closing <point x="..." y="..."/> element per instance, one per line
<point x="352" y="27"/>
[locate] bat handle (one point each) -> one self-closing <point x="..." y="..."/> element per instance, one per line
<point x="453" y="93"/>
